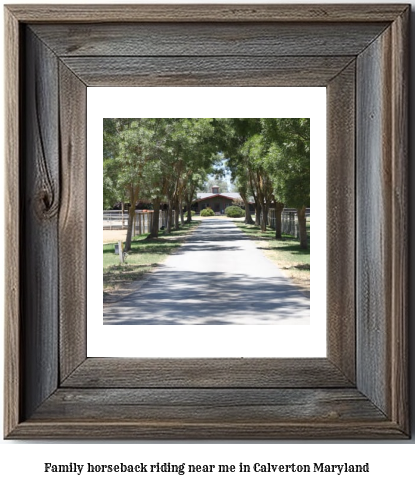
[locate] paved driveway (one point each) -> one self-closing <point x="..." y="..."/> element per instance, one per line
<point x="217" y="277"/>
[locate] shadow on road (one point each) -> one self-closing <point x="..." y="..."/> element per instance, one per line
<point x="209" y="298"/>
<point x="217" y="277"/>
<point x="212" y="232"/>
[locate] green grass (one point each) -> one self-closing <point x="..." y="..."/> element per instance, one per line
<point x="145" y="254"/>
<point x="286" y="252"/>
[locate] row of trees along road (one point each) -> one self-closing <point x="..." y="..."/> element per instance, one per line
<point x="168" y="160"/>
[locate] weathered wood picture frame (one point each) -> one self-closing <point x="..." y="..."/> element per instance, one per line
<point x="359" y="52"/>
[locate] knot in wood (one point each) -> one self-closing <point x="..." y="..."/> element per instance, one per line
<point x="46" y="205"/>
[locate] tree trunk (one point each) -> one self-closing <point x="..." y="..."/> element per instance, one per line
<point x="169" y="217"/>
<point x="131" y="215"/>
<point x="279" y="207"/>
<point x="189" y="211"/>
<point x="176" y="214"/>
<point x="156" y="216"/>
<point x="181" y="213"/>
<point x="257" y="213"/>
<point x="248" y="218"/>
<point x="264" y="209"/>
<point x="302" y="227"/>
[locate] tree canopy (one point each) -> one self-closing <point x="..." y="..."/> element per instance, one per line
<point x="168" y="160"/>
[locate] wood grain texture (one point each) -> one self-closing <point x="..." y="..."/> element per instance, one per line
<point x="209" y="405"/>
<point x="400" y="232"/>
<point x="206" y="71"/>
<point x="230" y="39"/>
<point x="373" y="226"/>
<point x="341" y="237"/>
<point x="206" y="373"/>
<point x="209" y="414"/>
<point x="188" y="430"/>
<point x="206" y="13"/>
<point x="13" y="382"/>
<point x="206" y="399"/>
<point x="72" y="222"/>
<point x="39" y="258"/>
<point x="382" y="224"/>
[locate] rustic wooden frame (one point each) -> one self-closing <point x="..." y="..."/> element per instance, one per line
<point x="52" y="390"/>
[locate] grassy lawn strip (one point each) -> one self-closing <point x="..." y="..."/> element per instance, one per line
<point x="145" y="254"/>
<point x="293" y="261"/>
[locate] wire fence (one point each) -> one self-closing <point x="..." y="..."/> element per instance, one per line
<point x="143" y="220"/>
<point x="289" y="221"/>
<point x="114" y="220"/>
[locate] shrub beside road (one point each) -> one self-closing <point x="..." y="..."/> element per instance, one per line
<point x="234" y="211"/>
<point x="207" y="212"/>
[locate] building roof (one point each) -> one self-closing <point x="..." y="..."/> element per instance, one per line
<point x="230" y="196"/>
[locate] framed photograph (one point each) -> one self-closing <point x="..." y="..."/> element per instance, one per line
<point x="55" y="54"/>
<point x="217" y="295"/>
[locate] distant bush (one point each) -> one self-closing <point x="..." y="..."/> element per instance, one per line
<point x="192" y="212"/>
<point x="207" y="212"/>
<point x="234" y="211"/>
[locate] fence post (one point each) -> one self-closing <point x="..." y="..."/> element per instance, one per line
<point x="120" y="251"/>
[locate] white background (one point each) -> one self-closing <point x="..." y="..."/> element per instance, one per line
<point x="391" y="463"/>
<point x="308" y="340"/>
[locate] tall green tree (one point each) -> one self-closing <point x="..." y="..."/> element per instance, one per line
<point x="288" y="162"/>
<point x="181" y="152"/>
<point x="194" y="182"/>
<point x="158" y="172"/>
<point x="242" y="187"/>
<point x="196" y="154"/>
<point x="232" y="135"/>
<point x="111" y="190"/>
<point x="166" y="160"/>
<point x="255" y="150"/>
<point x="126" y="143"/>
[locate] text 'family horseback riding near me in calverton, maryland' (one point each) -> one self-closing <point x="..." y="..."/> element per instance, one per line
<point x="184" y="468"/>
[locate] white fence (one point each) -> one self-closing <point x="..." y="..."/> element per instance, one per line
<point x="143" y="220"/>
<point x="114" y="219"/>
<point x="289" y="221"/>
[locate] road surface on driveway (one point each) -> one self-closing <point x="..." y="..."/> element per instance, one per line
<point x="217" y="277"/>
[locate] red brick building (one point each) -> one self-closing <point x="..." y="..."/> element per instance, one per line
<point x="215" y="200"/>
